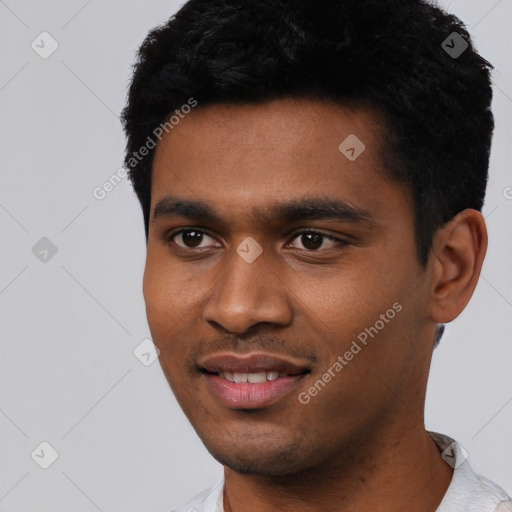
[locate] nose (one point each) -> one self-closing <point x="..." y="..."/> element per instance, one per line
<point x="248" y="294"/>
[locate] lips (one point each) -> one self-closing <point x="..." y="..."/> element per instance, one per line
<point x="253" y="380"/>
<point x="252" y="363"/>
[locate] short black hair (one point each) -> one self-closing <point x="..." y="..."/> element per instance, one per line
<point x="411" y="61"/>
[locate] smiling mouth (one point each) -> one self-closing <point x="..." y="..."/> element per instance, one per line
<point x="254" y="368"/>
<point x="251" y="381"/>
<point x="245" y="394"/>
<point x="253" y="378"/>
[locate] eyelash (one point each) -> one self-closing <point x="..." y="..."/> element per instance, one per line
<point x="169" y="238"/>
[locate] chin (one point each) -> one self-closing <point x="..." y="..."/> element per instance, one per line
<point x="261" y="464"/>
<point x="261" y="455"/>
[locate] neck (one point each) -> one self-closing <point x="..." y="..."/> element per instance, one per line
<point x="399" y="468"/>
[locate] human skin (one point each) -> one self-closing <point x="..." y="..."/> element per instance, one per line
<point x="360" y="443"/>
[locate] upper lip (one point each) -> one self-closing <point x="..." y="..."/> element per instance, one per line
<point x="251" y="363"/>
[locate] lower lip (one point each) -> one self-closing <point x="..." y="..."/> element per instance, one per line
<point x="245" y="395"/>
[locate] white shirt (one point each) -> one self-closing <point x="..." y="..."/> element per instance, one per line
<point x="467" y="492"/>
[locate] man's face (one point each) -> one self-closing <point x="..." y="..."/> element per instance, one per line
<point x="337" y="281"/>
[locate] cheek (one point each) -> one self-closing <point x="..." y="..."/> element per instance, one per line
<point x="348" y="303"/>
<point x="173" y="300"/>
<point x="367" y="318"/>
<point x="155" y="295"/>
<point x="163" y="298"/>
<point x="166" y="288"/>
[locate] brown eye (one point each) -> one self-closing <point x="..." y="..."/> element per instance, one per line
<point x="313" y="240"/>
<point x="190" y="238"/>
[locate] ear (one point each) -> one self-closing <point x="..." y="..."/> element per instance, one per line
<point x="458" y="253"/>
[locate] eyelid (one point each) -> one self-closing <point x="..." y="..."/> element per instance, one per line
<point x="169" y="236"/>
<point x="339" y="241"/>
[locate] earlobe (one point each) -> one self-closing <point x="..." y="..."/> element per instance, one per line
<point x="458" y="252"/>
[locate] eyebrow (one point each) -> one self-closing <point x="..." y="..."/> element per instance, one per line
<point x="317" y="208"/>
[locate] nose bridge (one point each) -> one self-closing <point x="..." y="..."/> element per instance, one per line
<point x="248" y="292"/>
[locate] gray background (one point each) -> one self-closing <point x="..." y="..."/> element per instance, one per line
<point x="68" y="374"/>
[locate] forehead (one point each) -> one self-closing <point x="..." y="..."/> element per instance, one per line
<point x="248" y="157"/>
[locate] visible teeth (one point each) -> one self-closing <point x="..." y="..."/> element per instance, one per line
<point x="255" y="378"/>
